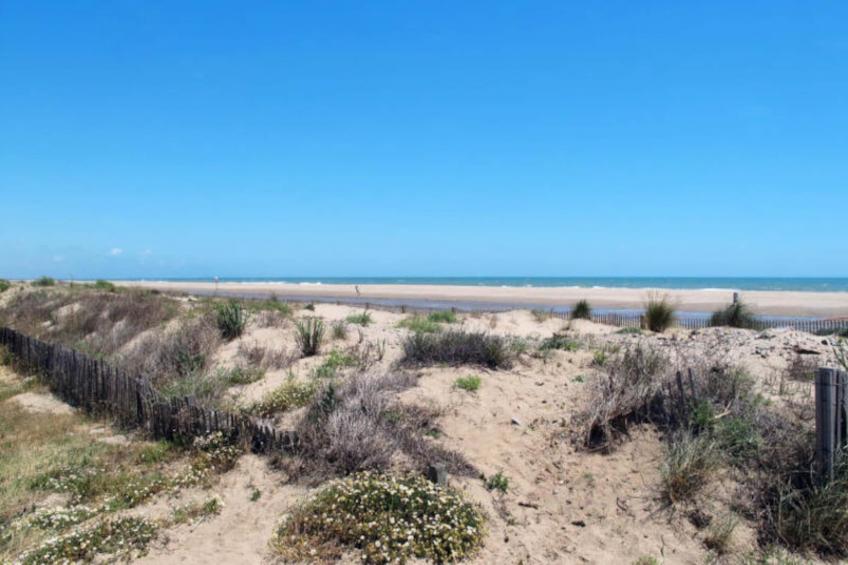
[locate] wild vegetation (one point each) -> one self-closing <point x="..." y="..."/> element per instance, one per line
<point x="581" y="311"/>
<point x="659" y="313"/>
<point x="457" y="348"/>
<point x="736" y="315"/>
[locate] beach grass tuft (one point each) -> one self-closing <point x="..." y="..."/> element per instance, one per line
<point x="581" y="311"/>
<point x="309" y="336"/>
<point x="659" y="313"/>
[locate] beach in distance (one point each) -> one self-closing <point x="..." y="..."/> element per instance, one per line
<point x="805" y="303"/>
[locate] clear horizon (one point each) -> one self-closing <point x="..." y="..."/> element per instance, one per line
<point x="151" y="140"/>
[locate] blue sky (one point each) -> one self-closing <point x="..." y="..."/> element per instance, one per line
<point x="154" y="139"/>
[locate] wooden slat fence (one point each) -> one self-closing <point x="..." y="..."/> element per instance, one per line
<point x="102" y="389"/>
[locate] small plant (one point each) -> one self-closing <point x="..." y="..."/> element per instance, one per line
<point x="101" y="284"/>
<point x="239" y="375"/>
<point x="255" y="494"/>
<point x="498" y="482"/>
<point x="581" y="311"/>
<point x="197" y="511"/>
<point x="231" y="318"/>
<point x="689" y="462"/>
<point x="420" y="324"/>
<point x="659" y="313"/>
<point x="736" y="315"/>
<point x="559" y="341"/>
<point x="442" y="317"/>
<point x="388" y="519"/>
<point x="310" y="334"/>
<point x="4" y="285"/>
<point x="600" y="358"/>
<point x="335" y="360"/>
<point x="363" y="319"/>
<point x="647" y="560"/>
<point x="121" y="537"/>
<point x="720" y="534"/>
<point x="44" y="281"/>
<point x="471" y="383"/>
<point x="310" y="307"/>
<point x="339" y="330"/>
<point x="540" y="315"/>
<point x="629" y="331"/>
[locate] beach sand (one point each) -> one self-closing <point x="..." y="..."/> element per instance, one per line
<point x="775" y="303"/>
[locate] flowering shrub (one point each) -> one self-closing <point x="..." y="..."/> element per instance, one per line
<point x="290" y="394"/>
<point x="215" y="452"/>
<point x="61" y="517"/>
<point x="122" y="536"/>
<point x="389" y="519"/>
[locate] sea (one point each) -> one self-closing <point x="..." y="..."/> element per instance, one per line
<point x="823" y="284"/>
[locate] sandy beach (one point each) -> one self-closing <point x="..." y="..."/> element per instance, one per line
<point x="775" y="303"/>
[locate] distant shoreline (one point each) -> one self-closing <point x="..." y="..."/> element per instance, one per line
<point x="716" y="284"/>
<point x="763" y="302"/>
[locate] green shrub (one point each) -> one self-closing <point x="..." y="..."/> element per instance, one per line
<point x="335" y="360"/>
<point x="540" y="315"/>
<point x="44" y="281"/>
<point x="239" y="375"/>
<point x="442" y="317"/>
<point x="231" y="318"/>
<point x="471" y="383"/>
<point x="581" y="311"/>
<point x="100" y="284"/>
<point x="559" y="341"/>
<point x="498" y="481"/>
<point x="309" y="336"/>
<point x="362" y="319"/>
<point x="629" y="331"/>
<point x="689" y="463"/>
<point x="736" y="315"/>
<point x="388" y="519"/>
<point x="420" y="324"/>
<point x="659" y="314"/>
<point x="457" y="348"/>
<point x="4" y="285"/>
<point x="291" y="394"/>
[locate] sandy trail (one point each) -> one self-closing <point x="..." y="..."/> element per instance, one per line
<point x="777" y="303"/>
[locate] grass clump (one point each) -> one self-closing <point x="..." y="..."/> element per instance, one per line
<point x="388" y="519"/>
<point x="4" y="285"/>
<point x="363" y="319"/>
<point x="581" y="311"/>
<point x="309" y="336"/>
<point x="659" y="313"/>
<point x="197" y="511"/>
<point x="560" y="342"/>
<point x="688" y="465"/>
<point x="540" y="315"/>
<point x="629" y="331"/>
<point x="498" y="482"/>
<point x="736" y="315"/>
<point x="457" y="348"/>
<point x="720" y="535"/>
<point x="420" y="324"/>
<point x="471" y="383"/>
<point x="44" y="281"/>
<point x="239" y="375"/>
<point x="339" y="331"/>
<point x="231" y="318"/>
<point x="335" y="360"/>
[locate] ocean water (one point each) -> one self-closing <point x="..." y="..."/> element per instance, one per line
<point x="831" y="284"/>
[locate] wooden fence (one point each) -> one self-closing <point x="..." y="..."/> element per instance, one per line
<point x="831" y="417"/>
<point x="99" y="388"/>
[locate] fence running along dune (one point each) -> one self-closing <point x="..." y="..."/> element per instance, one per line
<point x="102" y="389"/>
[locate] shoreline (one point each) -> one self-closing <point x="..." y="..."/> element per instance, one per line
<point x="762" y="302"/>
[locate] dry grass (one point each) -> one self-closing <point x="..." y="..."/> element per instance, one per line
<point x="457" y="348"/>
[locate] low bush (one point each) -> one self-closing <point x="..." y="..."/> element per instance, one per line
<point x="309" y="336"/>
<point x="457" y="348"/>
<point x="44" y="281"/>
<point x="355" y="425"/>
<point x="541" y="315"/>
<point x="736" y="315"/>
<point x="471" y="383"/>
<point x="101" y="284"/>
<point x="442" y="317"/>
<point x="420" y="324"/>
<point x="362" y="319"/>
<point x="659" y="314"/>
<point x="581" y="311"/>
<point x="4" y="285"/>
<point x="231" y="318"/>
<point x="289" y="395"/>
<point x="239" y="375"/>
<point x="335" y="360"/>
<point x="388" y="519"/>
<point x="559" y="341"/>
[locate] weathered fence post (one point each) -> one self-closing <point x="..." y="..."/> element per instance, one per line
<point x="828" y="418"/>
<point x="735" y="297"/>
